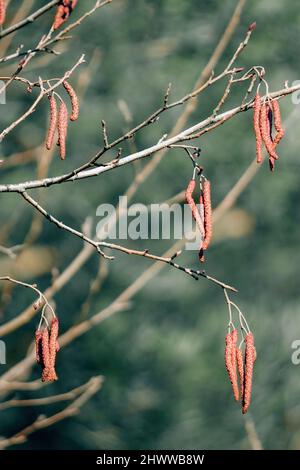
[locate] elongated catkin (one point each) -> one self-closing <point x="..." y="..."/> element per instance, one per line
<point x="265" y="132"/>
<point x="256" y="126"/>
<point x="52" y="123"/>
<point x="207" y="219"/>
<point x="240" y="366"/>
<point x="193" y="206"/>
<point x="62" y="126"/>
<point x="74" y="100"/>
<point x="235" y="387"/>
<point x="249" y="363"/>
<point x="277" y="122"/>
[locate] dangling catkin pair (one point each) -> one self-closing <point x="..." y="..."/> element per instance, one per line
<point x="263" y="114"/>
<point x="203" y="217"/>
<point x="59" y="119"/>
<point x="46" y="347"/>
<point x="235" y="362"/>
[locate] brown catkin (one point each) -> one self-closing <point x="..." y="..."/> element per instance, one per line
<point x="52" y="123"/>
<point x="193" y="206"/>
<point x="269" y="129"/>
<point x="45" y="355"/>
<point x="265" y="132"/>
<point x="3" y="6"/>
<point x="207" y="218"/>
<point x="240" y="366"/>
<point x="249" y="362"/>
<point x="63" y="12"/>
<point x="277" y="122"/>
<point x="38" y="346"/>
<point x="62" y="126"/>
<point x="53" y="349"/>
<point x="256" y="126"/>
<point x="235" y="387"/>
<point x="229" y="349"/>
<point x="74" y="100"/>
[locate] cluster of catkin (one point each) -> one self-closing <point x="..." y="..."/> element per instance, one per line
<point x="263" y="116"/>
<point x="63" y="12"/>
<point x="46" y="348"/>
<point x="3" y="6"/>
<point x="203" y="215"/>
<point x="239" y="363"/>
<point x="59" y="119"/>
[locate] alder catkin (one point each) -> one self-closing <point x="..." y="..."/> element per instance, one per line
<point x="207" y="219"/>
<point x="249" y="362"/>
<point x="277" y="122"/>
<point x="45" y="355"/>
<point x="235" y="387"/>
<point x="230" y="342"/>
<point x="52" y="123"/>
<point x="62" y="126"/>
<point x="38" y="346"/>
<point x="63" y="12"/>
<point x="3" y="6"/>
<point x="256" y="126"/>
<point x="74" y="100"/>
<point x="240" y="366"/>
<point x="193" y="206"/>
<point x="265" y="132"/>
<point x="269" y="129"/>
<point x="53" y="344"/>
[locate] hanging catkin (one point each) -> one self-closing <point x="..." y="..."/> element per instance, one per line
<point x="52" y="123"/>
<point x="265" y="132"/>
<point x="193" y="206"/>
<point x="74" y="100"/>
<point x="240" y="366"/>
<point x="53" y="347"/>
<point x="3" y="6"/>
<point x="277" y="122"/>
<point x="62" y="126"/>
<point x="256" y="126"/>
<point x="38" y="346"/>
<point x="229" y="350"/>
<point x="63" y="12"/>
<point x="249" y="362"/>
<point x="269" y="129"/>
<point x="207" y="219"/>
<point x="235" y="387"/>
<point x="45" y="355"/>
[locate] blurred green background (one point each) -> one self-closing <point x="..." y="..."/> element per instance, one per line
<point x="166" y="384"/>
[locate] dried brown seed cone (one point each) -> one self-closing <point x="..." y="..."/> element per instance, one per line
<point x="256" y="126"/>
<point x="3" y="6"/>
<point x="240" y="366"/>
<point x="265" y="132"/>
<point x="249" y="362"/>
<point x="52" y="123"/>
<point x="62" y="125"/>
<point x="235" y="387"/>
<point x="74" y="100"/>
<point x="277" y="122"/>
